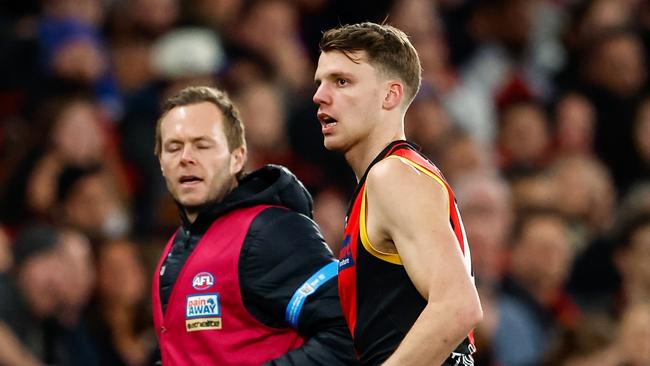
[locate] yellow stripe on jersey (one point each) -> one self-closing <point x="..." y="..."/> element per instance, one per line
<point x="425" y="171"/>
<point x="391" y="257"/>
<point x="388" y="257"/>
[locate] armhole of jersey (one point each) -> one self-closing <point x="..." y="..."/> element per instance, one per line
<point x="467" y="257"/>
<point x="393" y="258"/>
<point x="430" y="174"/>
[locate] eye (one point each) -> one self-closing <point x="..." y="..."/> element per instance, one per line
<point x="172" y="148"/>
<point x="203" y="145"/>
<point x="341" y="82"/>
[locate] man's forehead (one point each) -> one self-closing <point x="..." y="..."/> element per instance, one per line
<point x="193" y="112"/>
<point x="356" y="57"/>
<point x="335" y="62"/>
<point x="189" y="119"/>
<point x="200" y="107"/>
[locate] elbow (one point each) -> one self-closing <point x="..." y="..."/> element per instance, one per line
<point x="474" y="315"/>
<point x="470" y="314"/>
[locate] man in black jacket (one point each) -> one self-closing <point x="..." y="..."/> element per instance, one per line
<point x="247" y="279"/>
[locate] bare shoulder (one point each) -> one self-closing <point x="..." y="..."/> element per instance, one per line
<point x="394" y="173"/>
<point x="397" y="186"/>
<point x="398" y="179"/>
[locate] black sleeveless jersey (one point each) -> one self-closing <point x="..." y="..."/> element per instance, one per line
<point x="379" y="300"/>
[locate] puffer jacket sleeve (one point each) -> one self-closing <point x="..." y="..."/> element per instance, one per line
<point x="288" y="279"/>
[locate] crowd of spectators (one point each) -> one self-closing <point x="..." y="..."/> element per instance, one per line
<point x="537" y="112"/>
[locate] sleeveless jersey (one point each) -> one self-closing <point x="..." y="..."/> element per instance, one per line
<point x="379" y="301"/>
<point x="206" y="322"/>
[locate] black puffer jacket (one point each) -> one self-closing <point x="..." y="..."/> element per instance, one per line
<point x="282" y="249"/>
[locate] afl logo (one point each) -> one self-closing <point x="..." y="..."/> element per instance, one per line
<point x="203" y="281"/>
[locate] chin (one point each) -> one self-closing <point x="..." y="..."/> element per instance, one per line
<point x="193" y="204"/>
<point x="333" y="145"/>
<point x="188" y="201"/>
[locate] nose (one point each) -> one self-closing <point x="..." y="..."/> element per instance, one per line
<point x="187" y="156"/>
<point x="321" y="96"/>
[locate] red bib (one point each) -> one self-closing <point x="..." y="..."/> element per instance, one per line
<point x="205" y="322"/>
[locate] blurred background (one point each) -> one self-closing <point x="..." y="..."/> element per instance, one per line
<point x="537" y="111"/>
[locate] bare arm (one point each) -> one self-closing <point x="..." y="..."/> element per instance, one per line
<point x="410" y="209"/>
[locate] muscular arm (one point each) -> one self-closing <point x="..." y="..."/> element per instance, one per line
<point x="283" y="250"/>
<point x="411" y="210"/>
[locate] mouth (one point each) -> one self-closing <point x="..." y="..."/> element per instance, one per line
<point x="187" y="180"/>
<point x="326" y="120"/>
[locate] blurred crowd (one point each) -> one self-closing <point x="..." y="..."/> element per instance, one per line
<point x="537" y="112"/>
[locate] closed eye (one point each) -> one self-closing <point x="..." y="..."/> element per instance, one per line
<point x="172" y="148"/>
<point x="203" y="143"/>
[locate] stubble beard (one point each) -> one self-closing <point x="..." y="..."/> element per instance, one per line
<point x="208" y="201"/>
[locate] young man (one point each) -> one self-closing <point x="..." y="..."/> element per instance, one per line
<point x="405" y="277"/>
<point x="247" y="279"/>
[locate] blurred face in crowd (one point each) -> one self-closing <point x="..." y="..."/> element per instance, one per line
<point x="79" y="271"/>
<point x="156" y="16"/>
<point x="619" y="65"/>
<point x="268" y="23"/>
<point x="543" y="254"/>
<point x="523" y="133"/>
<point x="89" y="204"/>
<point x="460" y="153"/>
<point x="87" y="11"/>
<point x="79" y="60"/>
<point x="573" y="176"/>
<point x="575" y="120"/>
<point x="261" y="110"/>
<point x="537" y="190"/>
<point x="513" y="22"/>
<point x="195" y="160"/>
<point x="121" y="278"/>
<point x="41" y="282"/>
<point x="219" y="13"/>
<point x="77" y="134"/>
<point x="349" y="98"/>
<point x="604" y="14"/>
<point x="487" y="216"/>
<point x="426" y="123"/>
<point x="586" y="193"/>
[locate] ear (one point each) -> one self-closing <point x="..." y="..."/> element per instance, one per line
<point x="237" y="160"/>
<point x="394" y="95"/>
<point x="162" y="170"/>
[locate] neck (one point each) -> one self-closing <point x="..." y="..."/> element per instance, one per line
<point x="191" y="216"/>
<point x="364" y="152"/>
